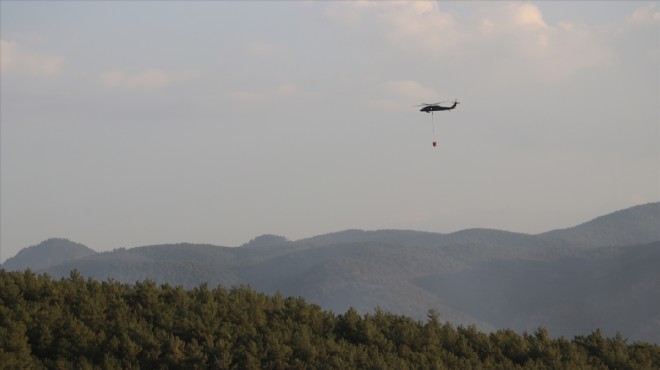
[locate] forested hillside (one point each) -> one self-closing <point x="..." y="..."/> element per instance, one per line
<point x="563" y="280"/>
<point x="635" y="225"/>
<point x="86" y="324"/>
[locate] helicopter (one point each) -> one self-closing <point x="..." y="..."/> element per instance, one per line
<point x="433" y="107"/>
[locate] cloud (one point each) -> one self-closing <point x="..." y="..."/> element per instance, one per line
<point x="513" y="37"/>
<point x="503" y="20"/>
<point x="153" y="78"/>
<point x="648" y="14"/>
<point x="521" y="45"/>
<point x="636" y="27"/>
<point x="527" y="15"/>
<point x="416" y="24"/>
<point x="14" y="58"/>
<point x="542" y="53"/>
<point x="349" y="12"/>
<point x="422" y="25"/>
<point x="262" y="95"/>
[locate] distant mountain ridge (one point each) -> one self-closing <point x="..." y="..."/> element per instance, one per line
<point x="603" y="273"/>
<point x="635" y="225"/>
<point x="48" y="253"/>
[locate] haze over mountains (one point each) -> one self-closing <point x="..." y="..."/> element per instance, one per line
<point x="603" y="274"/>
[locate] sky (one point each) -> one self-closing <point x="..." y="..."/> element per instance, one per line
<point x="125" y="124"/>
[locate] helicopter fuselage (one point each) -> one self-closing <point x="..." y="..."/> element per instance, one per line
<point x="434" y="108"/>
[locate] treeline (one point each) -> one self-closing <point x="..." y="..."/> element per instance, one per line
<point x="75" y="323"/>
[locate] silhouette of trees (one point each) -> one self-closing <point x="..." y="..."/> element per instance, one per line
<point x="87" y="324"/>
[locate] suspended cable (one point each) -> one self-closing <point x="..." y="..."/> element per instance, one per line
<point x="433" y="128"/>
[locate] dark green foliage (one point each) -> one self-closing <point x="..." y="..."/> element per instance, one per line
<point x="601" y="274"/>
<point x="75" y="323"/>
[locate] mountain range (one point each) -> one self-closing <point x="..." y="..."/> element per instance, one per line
<point x="604" y="273"/>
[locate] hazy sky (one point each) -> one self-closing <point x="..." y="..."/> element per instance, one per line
<point x="132" y="123"/>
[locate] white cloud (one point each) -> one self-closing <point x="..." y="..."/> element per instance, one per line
<point x="636" y="27"/>
<point x="527" y="15"/>
<point x="524" y="46"/>
<point x="514" y="37"/>
<point x="262" y="95"/>
<point x="416" y="24"/>
<point x="14" y="58"/>
<point x="422" y="25"/>
<point x="645" y="15"/>
<point x="501" y="19"/>
<point x="148" y="79"/>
